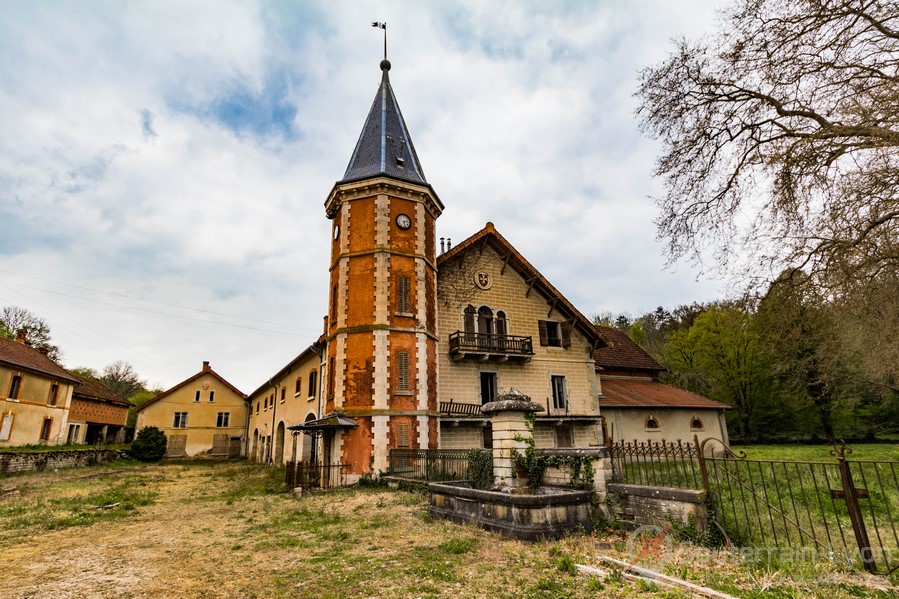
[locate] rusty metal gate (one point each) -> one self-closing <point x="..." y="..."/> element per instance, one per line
<point x="840" y="511"/>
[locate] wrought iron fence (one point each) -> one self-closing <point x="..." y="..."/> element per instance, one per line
<point x="429" y="464"/>
<point x="843" y="511"/>
<point x="656" y="464"/>
<point x="316" y="475"/>
<point x="836" y="511"/>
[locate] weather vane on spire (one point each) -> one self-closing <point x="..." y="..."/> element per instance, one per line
<point x="383" y="26"/>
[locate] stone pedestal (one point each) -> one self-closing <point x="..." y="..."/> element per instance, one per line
<point x="507" y="419"/>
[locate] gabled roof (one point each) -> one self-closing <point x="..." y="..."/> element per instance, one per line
<point x="490" y="236"/>
<point x="206" y="370"/>
<point x="24" y="356"/>
<point x="94" y="390"/>
<point x="314" y="349"/>
<point x="384" y="146"/>
<point x="629" y="393"/>
<point x="623" y="353"/>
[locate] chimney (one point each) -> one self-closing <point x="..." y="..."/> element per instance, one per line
<point x="206" y="366"/>
<point x="442" y="249"/>
<point x="43" y="350"/>
<point x="449" y="244"/>
<point x="22" y="336"/>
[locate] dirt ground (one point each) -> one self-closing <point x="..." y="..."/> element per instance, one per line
<point x="172" y="548"/>
<point x="223" y="530"/>
<point x="211" y="532"/>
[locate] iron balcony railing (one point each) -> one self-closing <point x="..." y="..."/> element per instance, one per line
<point x="461" y="342"/>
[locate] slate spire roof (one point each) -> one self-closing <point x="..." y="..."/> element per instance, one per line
<point x="384" y="146"/>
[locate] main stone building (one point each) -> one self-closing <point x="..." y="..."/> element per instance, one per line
<point x="415" y="341"/>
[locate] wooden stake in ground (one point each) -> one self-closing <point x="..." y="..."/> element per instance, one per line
<point x="662" y="578"/>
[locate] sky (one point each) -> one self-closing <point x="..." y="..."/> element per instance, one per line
<point x="164" y="165"/>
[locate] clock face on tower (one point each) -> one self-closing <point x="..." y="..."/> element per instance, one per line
<point x="403" y="222"/>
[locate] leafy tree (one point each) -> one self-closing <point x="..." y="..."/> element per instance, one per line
<point x="149" y="445"/>
<point x="13" y="319"/>
<point x="121" y="377"/>
<point x="84" y="372"/>
<point x="139" y="399"/>
<point x="805" y="340"/>
<point x="721" y="356"/>
<point x="780" y="140"/>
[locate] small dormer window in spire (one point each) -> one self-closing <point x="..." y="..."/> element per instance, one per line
<point x="400" y="162"/>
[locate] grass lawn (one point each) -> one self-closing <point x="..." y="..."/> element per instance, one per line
<point x="820" y="453"/>
<point x="216" y="529"/>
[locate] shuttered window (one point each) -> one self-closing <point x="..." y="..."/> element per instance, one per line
<point x="402" y="294"/>
<point x="402" y="371"/>
<point x="402" y="436"/>
<point x="554" y="333"/>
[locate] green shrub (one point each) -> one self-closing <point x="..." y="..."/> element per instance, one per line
<point x="149" y="445"/>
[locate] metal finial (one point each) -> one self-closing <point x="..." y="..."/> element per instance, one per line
<point x="383" y="26"/>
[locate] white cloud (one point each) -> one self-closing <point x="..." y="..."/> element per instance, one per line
<point x="151" y="150"/>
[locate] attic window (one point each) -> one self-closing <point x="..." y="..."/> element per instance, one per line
<point x="400" y="162"/>
<point x="696" y="424"/>
<point x="652" y="424"/>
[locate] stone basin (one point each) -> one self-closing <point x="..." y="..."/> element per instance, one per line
<point x="549" y="513"/>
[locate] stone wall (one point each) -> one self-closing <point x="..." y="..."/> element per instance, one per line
<point x="51" y="460"/>
<point x="638" y="505"/>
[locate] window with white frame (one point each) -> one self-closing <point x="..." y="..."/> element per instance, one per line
<point x="179" y="420"/>
<point x="6" y="426"/>
<point x="223" y="420"/>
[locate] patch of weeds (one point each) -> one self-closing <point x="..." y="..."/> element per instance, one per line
<point x="458" y="546"/>
<point x="647" y="586"/>
<point x="339" y="535"/>
<point x="566" y="564"/>
<point x="236" y="547"/>
<point x="594" y="583"/>
<point x="65" y="509"/>
<point x="432" y="565"/>
<point x="376" y="522"/>
<point x="552" y="585"/>
<point x="305" y="519"/>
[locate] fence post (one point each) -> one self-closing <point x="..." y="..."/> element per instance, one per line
<point x="702" y="466"/>
<point x="851" y="495"/>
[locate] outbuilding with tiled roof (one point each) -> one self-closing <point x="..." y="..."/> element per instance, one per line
<point x="636" y="406"/>
<point x="97" y="415"/>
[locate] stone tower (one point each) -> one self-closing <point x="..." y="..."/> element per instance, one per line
<point x="381" y="363"/>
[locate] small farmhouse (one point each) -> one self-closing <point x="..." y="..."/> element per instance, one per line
<point x="204" y="414"/>
<point x="37" y="393"/>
